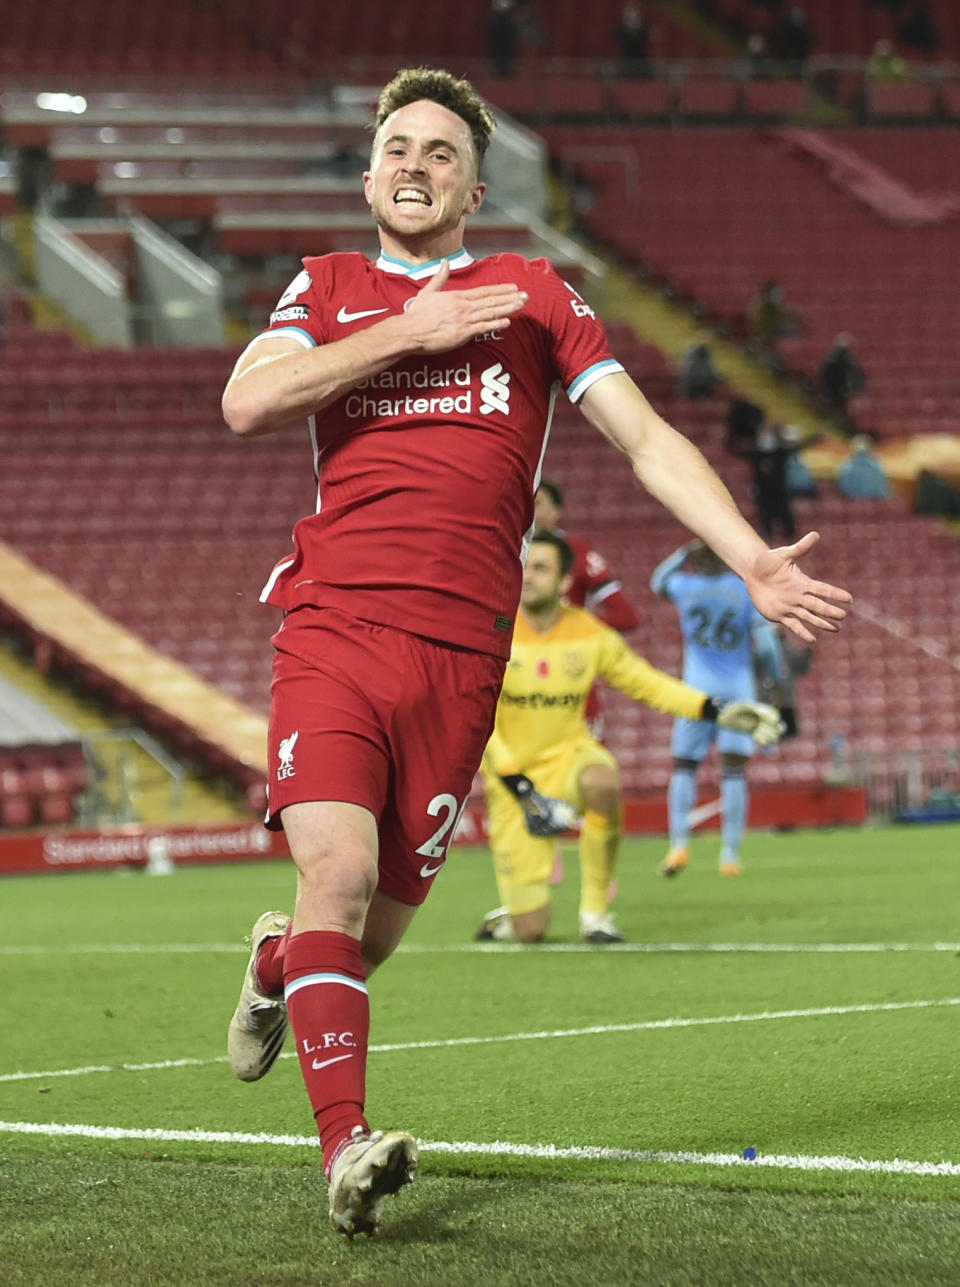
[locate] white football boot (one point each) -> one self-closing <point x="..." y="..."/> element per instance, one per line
<point x="258" y="1028"/>
<point x="364" y="1173"/>
<point x="597" y="928"/>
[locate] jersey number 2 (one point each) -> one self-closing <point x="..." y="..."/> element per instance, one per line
<point x="451" y="807"/>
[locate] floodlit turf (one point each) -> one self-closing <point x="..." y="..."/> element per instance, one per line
<point x="808" y="1011"/>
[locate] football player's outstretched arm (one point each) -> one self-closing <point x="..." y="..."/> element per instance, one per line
<point x="679" y="476"/>
<point x="277" y="383"/>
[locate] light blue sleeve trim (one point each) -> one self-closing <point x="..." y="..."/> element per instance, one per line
<point x="767" y="645"/>
<point x="664" y="571"/>
<point x="582" y="383"/>
<point x="295" y="333"/>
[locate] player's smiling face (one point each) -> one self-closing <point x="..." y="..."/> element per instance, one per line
<point x="422" y="181"/>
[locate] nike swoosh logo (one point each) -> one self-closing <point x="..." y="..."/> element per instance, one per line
<point x="344" y="316"/>
<point x="325" y="1063"/>
<point x="426" y="870"/>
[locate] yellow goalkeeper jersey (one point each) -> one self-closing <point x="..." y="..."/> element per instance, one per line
<point x="549" y="676"/>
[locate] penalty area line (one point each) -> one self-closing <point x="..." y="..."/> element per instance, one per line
<point x="594" y="1030"/>
<point x="480" y="949"/>
<point x="502" y="1148"/>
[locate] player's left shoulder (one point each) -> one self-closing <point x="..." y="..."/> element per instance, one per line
<point x="533" y="275"/>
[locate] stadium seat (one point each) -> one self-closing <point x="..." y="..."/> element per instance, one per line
<point x="708" y="96"/>
<point x="775" y="98"/>
<point x="641" y="98"/>
<point x="901" y="100"/>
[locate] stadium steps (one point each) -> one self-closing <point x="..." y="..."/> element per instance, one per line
<point x="174" y="701"/>
<point x="46" y="314"/>
<point x="201" y="800"/>
<point x="671" y="328"/>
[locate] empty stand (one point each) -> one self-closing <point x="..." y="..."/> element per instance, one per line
<point x="717" y="211"/>
<point x="140" y="499"/>
<point x="43" y="766"/>
<point x="895" y="100"/>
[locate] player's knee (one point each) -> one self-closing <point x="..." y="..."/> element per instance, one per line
<point x="342" y="882"/>
<point x="531" y="927"/>
<point x="600" y="788"/>
<point x="685" y="766"/>
<point x="529" y="934"/>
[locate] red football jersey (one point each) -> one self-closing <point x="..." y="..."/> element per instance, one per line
<point x="595" y="586"/>
<point x="426" y="472"/>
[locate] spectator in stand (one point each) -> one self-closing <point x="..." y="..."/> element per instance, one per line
<point x="886" y="64"/>
<point x="504" y="35"/>
<point x="918" y="29"/>
<point x="697" y="376"/>
<point x="769" y="458"/>
<point x="770" y="321"/>
<point x="841" y="378"/>
<point x="758" y="64"/>
<point x="800" y="481"/>
<point x="592" y="583"/>
<point x="861" y="474"/>
<point x="633" y="41"/>
<point x="529" y="27"/>
<point x="792" y="40"/>
<point x="744" y="422"/>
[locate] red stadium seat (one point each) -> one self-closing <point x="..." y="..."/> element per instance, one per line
<point x="781" y="98"/>
<point x="709" y="96"/>
<point x="898" y="100"/>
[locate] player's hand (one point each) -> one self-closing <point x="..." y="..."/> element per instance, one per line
<point x="761" y="721"/>
<point x="440" y="320"/>
<point x="784" y="593"/>
<point x="544" y="815"/>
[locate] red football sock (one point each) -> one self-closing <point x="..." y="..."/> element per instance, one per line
<point x="270" y="964"/>
<point x="330" y="1015"/>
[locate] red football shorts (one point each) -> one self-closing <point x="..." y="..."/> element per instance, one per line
<point x="374" y="716"/>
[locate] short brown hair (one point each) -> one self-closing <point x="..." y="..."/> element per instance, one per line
<point x="564" y="549"/>
<point x="415" y="83"/>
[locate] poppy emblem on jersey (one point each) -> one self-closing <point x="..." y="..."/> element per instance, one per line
<point x="574" y="664"/>
<point x="543" y="668"/>
<point x="285" y="768"/>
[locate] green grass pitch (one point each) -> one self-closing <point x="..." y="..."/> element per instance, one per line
<point x="584" y="1112"/>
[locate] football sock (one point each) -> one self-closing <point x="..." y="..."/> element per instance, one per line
<point x="270" y="964"/>
<point x="599" y="841"/>
<point x="681" y="797"/>
<point x="329" y="1012"/>
<point x="735" y="799"/>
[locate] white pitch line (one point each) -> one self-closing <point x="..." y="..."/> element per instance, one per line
<point x="534" y="949"/>
<point x="502" y="1148"/>
<point x="648" y="1025"/>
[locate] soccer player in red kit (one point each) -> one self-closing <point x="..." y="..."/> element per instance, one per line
<point x="593" y="584"/>
<point x="428" y="380"/>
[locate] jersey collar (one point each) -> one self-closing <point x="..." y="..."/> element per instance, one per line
<point x="417" y="272"/>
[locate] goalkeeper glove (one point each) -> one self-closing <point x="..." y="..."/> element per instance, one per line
<point x="761" y="721"/>
<point x="544" y="814"/>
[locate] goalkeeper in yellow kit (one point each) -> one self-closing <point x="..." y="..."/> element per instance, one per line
<point x="542" y="768"/>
